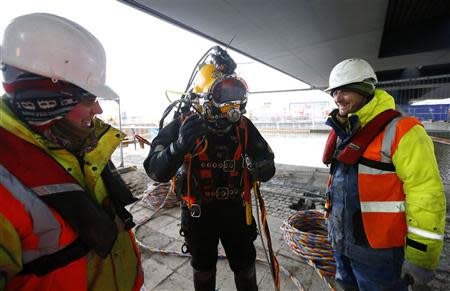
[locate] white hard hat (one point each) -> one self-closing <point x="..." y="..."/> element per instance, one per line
<point x="351" y="71"/>
<point x="57" y="48"/>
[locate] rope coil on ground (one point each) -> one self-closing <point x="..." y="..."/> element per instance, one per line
<point x="305" y="233"/>
<point x="160" y="195"/>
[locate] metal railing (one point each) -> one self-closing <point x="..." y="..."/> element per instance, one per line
<point x="421" y="88"/>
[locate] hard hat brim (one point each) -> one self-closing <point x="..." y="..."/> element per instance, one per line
<point x="104" y="92"/>
<point x="329" y="89"/>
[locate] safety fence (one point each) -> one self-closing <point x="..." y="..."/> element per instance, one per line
<point x="426" y="98"/>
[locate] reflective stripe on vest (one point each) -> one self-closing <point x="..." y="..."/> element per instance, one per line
<point x="425" y="233"/>
<point x="381" y="191"/>
<point x="388" y="140"/>
<point x="363" y="169"/>
<point x="393" y="207"/>
<point x="45" y="226"/>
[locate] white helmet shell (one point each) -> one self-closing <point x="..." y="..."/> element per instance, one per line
<point x="350" y="71"/>
<point x="57" y="48"/>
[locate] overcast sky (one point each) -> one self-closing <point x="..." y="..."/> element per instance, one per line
<point x="145" y="56"/>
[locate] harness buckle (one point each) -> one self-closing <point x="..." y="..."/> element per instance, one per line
<point x="327" y="207"/>
<point x="195" y="210"/>
<point x="228" y="165"/>
<point x="247" y="162"/>
<point x="185" y="248"/>
<point x="354" y="147"/>
<point x="222" y="193"/>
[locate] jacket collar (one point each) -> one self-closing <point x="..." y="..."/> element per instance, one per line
<point x="381" y="101"/>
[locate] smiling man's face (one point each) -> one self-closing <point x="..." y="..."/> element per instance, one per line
<point x="348" y="101"/>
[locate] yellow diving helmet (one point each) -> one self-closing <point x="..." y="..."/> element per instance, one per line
<point x="206" y="77"/>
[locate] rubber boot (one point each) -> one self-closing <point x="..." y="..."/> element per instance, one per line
<point x="205" y="280"/>
<point x="245" y="279"/>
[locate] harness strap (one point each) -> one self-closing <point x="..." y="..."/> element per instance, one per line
<point x="206" y="170"/>
<point x="189" y="200"/>
<point x="48" y="263"/>
<point x="245" y="171"/>
<point x="377" y="165"/>
<point x="330" y="147"/>
<point x="353" y="151"/>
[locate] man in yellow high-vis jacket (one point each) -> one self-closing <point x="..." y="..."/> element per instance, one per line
<point x="386" y="212"/>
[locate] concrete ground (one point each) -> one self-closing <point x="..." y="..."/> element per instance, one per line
<point x="173" y="272"/>
<point x="166" y="270"/>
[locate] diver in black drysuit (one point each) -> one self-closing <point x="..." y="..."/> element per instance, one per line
<point x="216" y="183"/>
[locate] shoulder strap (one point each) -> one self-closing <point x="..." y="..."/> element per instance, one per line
<point x="119" y="194"/>
<point x="388" y="167"/>
<point x="243" y="134"/>
<point x="46" y="264"/>
<point x="330" y="147"/>
<point x="353" y="151"/>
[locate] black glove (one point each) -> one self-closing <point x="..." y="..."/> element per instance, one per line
<point x="192" y="128"/>
<point x="263" y="170"/>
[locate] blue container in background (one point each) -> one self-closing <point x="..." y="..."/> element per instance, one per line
<point x="435" y="112"/>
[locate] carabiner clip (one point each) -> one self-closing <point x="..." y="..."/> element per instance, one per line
<point x="184" y="248"/>
<point x="195" y="210"/>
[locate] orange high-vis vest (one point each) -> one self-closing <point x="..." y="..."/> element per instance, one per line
<point x="381" y="191"/>
<point x="26" y="173"/>
<point x="42" y="231"/>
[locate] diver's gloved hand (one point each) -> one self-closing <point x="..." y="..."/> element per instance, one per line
<point x="419" y="275"/>
<point x="192" y="128"/>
